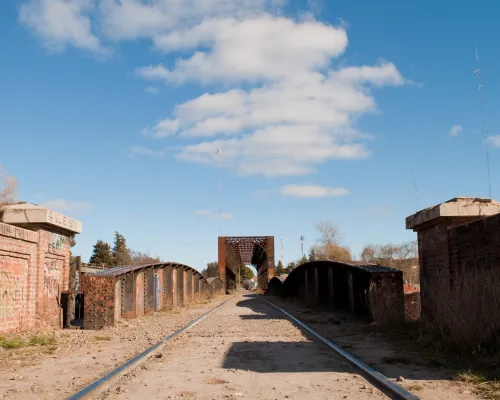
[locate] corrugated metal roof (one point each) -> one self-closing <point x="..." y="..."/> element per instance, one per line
<point x="117" y="271"/>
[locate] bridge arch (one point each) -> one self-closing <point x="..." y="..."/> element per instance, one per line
<point x="235" y="251"/>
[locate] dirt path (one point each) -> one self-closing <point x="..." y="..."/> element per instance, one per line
<point x="79" y="357"/>
<point x="427" y="377"/>
<point x="245" y="350"/>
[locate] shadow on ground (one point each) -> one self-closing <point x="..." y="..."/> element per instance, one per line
<point x="349" y="332"/>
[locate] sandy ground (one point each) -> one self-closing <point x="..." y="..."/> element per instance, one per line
<point x="245" y="350"/>
<point x="423" y="376"/>
<point x="83" y="356"/>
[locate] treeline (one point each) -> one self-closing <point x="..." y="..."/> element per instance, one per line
<point x="403" y="256"/>
<point x="212" y="271"/>
<point x="119" y="254"/>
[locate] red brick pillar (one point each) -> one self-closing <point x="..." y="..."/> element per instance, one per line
<point x="431" y="225"/>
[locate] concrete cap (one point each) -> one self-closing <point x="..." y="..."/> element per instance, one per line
<point x="26" y="214"/>
<point x="457" y="207"/>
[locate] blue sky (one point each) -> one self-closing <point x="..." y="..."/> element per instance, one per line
<point x="111" y="112"/>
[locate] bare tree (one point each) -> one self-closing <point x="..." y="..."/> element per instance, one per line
<point x="330" y="239"/>
<point x="403" y="257"/>
<point x="329" y="233"/>
<point x="8" y="187"/>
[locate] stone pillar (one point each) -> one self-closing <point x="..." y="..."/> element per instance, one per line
<point x="51" y="272"/>
<point x="431" y="225"/>
<point x="270" y="258"/>
<point x="222" y="258"/>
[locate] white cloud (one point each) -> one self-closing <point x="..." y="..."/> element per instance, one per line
<point x="85" y="24"/>
<point x="311" y="191"/>
<point x="64" y="205"/>
<point x="296" y="111"/>
<point x="61" y="23"/>
<point x="264" y="47"/>
<point x="284" y="109"/>
<point x="164" y="128"/>
<point x="211" y="214"/>
<point x="152" y="90"/>
<point x="455" y="130"/>
<point x="131" y="19"/>
<point x="494" y="140"/>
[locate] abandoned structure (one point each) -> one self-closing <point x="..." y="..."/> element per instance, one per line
<point x="129" y="292"/>
<point x="34" y="265"/>
<point x="345" y="285"/>
<point x="236" y="251"/>
<point x="454" y="237"/>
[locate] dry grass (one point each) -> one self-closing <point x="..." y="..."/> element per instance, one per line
<point x="466" y="317"/>
<point x="385" y="306"/>
<point x="487" y="388"/>
<point x="15" y="342"/>
<point x="11" y="343"/>
<point x="415" y="387"/>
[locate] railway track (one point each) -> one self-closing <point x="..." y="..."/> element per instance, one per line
<point x="247" y="347"/>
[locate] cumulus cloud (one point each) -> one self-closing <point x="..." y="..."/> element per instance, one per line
<point x="86" y="24"/>
<point x="277" y="103"/>
<point x="455" y="130"/>
<point x="311" y="191"/>
<point x="61" y="23"/>
<point x="65" y="205"/>
<point x="211" y="214"/>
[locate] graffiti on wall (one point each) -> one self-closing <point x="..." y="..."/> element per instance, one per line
<point x="57" y="242"/>
<point x="12" y="285"/>
<point x="52" y="277"/>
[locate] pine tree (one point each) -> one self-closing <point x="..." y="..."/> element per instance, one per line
<point x="101" y="254"/>
<point x="312" y="255"/>
<point x="121" y="253"/>
<point x="212" y="270"/>
<point x="290" y="267"/>
<point x="280" y="269"/>
<point x="303" y="260"/>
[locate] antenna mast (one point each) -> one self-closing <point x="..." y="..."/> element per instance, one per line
<point x="302" y="245"/>
<point x="477" y="72"/>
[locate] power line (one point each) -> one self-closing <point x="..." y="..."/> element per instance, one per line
<point x="477" y="72"/>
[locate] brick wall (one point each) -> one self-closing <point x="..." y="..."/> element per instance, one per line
<point x="475" y="245"/>
<point x="434" y="261"/>
<point x="34" y="269"/>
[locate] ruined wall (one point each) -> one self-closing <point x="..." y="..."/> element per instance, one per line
<point x="475" y="245"/>
<point x="132" y="292"/>
<point x="434" y="260"/>
<point x="18" y="277"/>
<point x="99" y="302"/>
<point x="34" y="269"/>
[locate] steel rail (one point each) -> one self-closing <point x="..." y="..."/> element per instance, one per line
<point x="373" y="375"/>
<point x="101" y="382"/>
